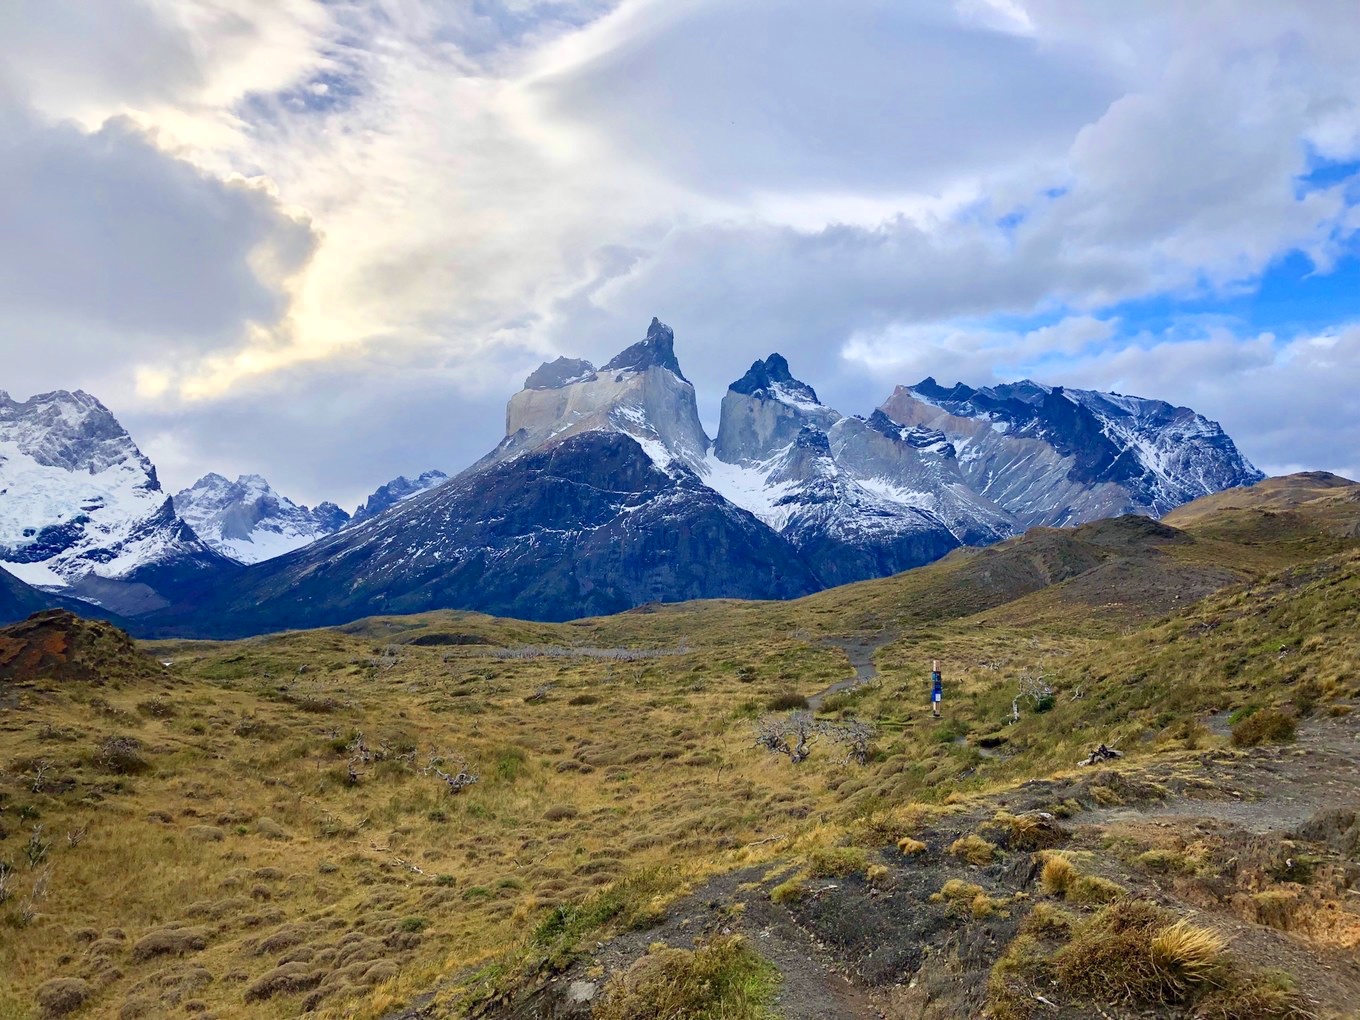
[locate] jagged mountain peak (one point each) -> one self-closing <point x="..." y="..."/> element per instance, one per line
<point x="552" y="375"/>
<point x="397" y="491"/>
<point x="82" y="509"/>
<point x="641" y="392"/>
<point x="1054" y="455"/>
<point x="657" y="350"/>
<point x="248" y="521"/>
<point x="772" y="379"/>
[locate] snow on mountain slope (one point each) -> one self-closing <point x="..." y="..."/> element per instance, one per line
<point x="862" y="498"/>
<point x="397" y="490"/>
<point x="79" y="502"/>
<point x="249" y="522"/>
<point x="1060" y="457"/>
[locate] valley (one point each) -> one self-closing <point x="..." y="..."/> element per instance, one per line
<point x="285" y="823"/>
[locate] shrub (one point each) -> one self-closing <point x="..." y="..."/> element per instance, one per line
<point x="168" y="942"/>
<point x="837" y="861"/>
<point x="788" y="892"/>
<point x="786" y="701"/>
<point x="60" y="996"/>
<point x="1267" y="726"/>
<point x="560" y="812"/>
<point x="121" y="756"/>
<point x="722" y="978"/>
<point x="973" y="849"/>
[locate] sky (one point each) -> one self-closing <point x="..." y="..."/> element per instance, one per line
<point x="325" y="240"/>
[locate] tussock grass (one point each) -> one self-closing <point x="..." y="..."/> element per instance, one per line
<point x="1133" y="951"/>
<point x="723" y="979"/>
<point x="973" y="849"/>
<point x="1267" y="726"/>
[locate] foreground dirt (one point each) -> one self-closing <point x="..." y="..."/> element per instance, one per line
<point x="1264" y="846"/>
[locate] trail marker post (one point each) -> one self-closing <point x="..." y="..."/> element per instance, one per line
<point x="936" y="687"/>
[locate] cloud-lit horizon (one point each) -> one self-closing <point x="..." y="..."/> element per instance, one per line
<point x="325" y="241"/>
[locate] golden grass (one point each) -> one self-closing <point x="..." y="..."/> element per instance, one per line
<point x="973" y="849"/>
<point x="242" y="821"/>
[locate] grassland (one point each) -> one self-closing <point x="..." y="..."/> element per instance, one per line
<point x="261" y="827"/>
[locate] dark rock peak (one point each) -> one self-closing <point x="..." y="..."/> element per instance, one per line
<point x="917" y="436"/>
<point x="656" y="351"/>
<point x="812" y="438"/>
<point x="552" y="375"/>
<point x="933" y="391"/>
<point x="329" y="516"/>
<point x="763" y="376"/>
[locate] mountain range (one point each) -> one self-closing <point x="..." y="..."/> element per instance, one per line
<point x="605" y="494"/>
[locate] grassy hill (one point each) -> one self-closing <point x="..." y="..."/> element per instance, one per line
<point x="286" y="823"/>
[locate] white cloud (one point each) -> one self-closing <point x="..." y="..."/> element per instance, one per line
<point x="864" y="187"/>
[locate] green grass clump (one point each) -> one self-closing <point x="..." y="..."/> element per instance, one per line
<point x="1268" y="726"/>
<point x="625" y="904"/>
<point x="723" y="979"/>
<point x="788" y="892"/>
<point x="837" y="861"/>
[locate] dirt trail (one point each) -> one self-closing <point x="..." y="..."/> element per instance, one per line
<point x="1268" y="789"/>
<point x="860" y="651"/>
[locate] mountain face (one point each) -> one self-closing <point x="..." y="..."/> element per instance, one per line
<point x="583" y="526"/>
<point x="641" y="393"/>
<point x="394" y="492"/>
<point x="858" y="498"/>
<point x="596" y="501"/>
<point x="248" y="521"/>
<point x="1056" y="456"/>
<point x="606" y="493"/>
<point x="81" y="509"/>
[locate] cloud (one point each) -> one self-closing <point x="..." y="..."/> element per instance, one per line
<point x="112" y="249"/>
<point x="289" y="208"/>
<point x="739" y="99"/>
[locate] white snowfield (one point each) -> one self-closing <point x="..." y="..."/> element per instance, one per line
<point x="76" y="495"/>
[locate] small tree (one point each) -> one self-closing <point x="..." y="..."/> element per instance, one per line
<point x="457" y="780"/>
<point x="857" y="736"/>
<point x="792" y="735"/>
<point x="1034" y="689"/>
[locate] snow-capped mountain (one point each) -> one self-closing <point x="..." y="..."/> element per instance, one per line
<point x="1056" y="456"/>
<point x="81" y="509"/>
<point x="641" y="392"/>
<point x="249" y="522"/>
<point x="858" y="498"/>
<point x="398" y="489"/>
<point x="593" y="503"/>
<point x="606" y="493"/>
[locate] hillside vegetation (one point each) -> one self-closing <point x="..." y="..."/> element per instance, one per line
<point x="452" y="814"/>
